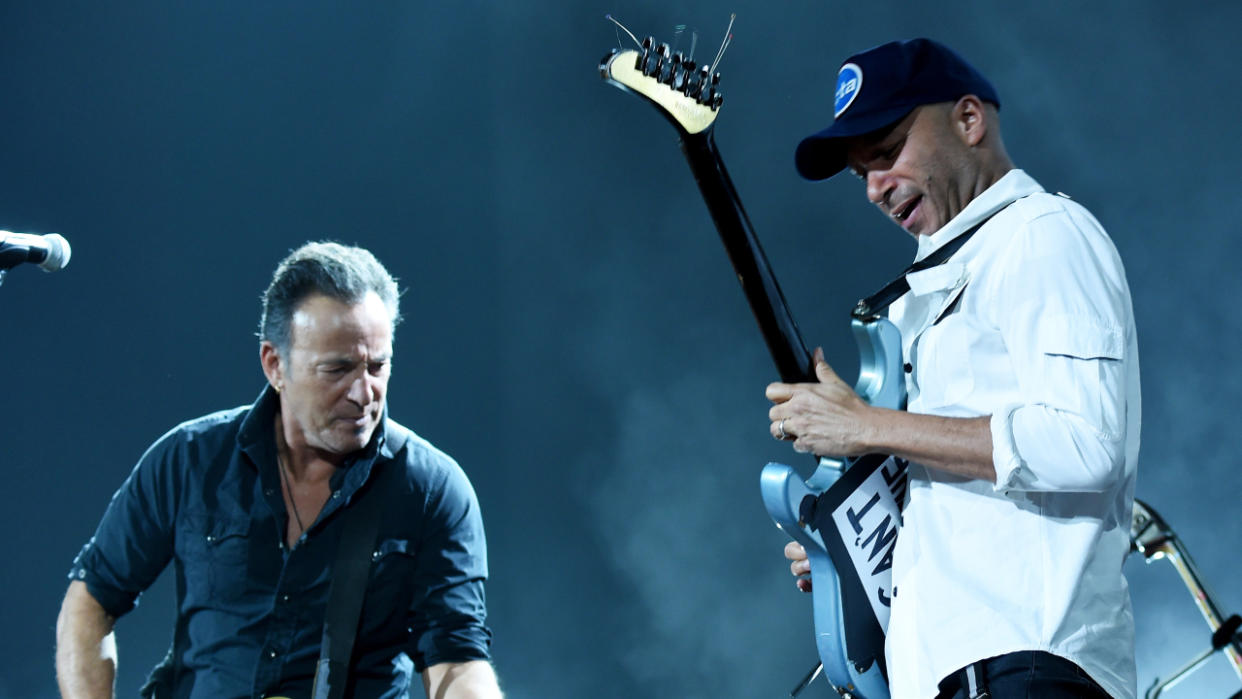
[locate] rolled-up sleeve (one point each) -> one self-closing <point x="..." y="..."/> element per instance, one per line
<point x="134" y="540"/>
<point x="1067" y="334"/>
<point x="448" y="618"/>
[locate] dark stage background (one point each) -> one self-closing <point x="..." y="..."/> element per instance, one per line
<point x="575" y="336"/>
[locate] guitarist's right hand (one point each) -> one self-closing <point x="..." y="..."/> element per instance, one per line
<point x="800" y="566"/>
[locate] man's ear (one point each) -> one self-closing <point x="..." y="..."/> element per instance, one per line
<point x="273" y="367"/>
<point x="970" y="120"/>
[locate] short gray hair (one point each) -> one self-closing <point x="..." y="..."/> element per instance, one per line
<point x="337" y="271"/>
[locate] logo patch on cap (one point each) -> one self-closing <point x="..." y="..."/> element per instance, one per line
<point x="849" y="82"/>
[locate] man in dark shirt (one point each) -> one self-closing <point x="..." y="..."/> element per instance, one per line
<point x="249" y="505"/>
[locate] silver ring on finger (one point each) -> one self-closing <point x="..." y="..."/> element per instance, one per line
<point x="780" y="427"/>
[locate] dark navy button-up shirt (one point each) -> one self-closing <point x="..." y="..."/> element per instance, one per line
<point x="207" y="497"/>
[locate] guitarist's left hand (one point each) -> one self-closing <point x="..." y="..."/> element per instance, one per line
<point x="799" y="565"/>
<point x="826" y="418"/>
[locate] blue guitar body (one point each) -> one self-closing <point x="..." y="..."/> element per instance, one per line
<point x="785" y="495"/>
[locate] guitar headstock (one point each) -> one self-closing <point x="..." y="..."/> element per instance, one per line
<point x="684" y="92"/>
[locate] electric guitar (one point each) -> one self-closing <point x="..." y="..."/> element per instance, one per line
<point x="847" y="513"/>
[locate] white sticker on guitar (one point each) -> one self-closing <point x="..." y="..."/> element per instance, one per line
<point x="868" y="521"/>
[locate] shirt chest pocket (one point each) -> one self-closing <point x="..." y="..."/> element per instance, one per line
<point x="215" y="552"/>
<point x="390" y="589"/>
<point x="942" y="356"/>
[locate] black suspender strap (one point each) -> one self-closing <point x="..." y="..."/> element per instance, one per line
<point x="348" y="588"/>
<point x="875" y="304"/>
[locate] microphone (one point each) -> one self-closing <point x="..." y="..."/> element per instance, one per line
<point x="51" y="252"/>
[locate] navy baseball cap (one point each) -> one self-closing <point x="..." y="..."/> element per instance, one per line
<point x="879" y="87"/>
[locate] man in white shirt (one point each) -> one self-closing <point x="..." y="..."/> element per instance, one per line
<point x="1022" y="423"/>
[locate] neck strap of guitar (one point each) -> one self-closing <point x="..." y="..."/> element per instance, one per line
<point x="876" y="303"/>
<point x="350" y="573"/>
<point x="873" y="305"/>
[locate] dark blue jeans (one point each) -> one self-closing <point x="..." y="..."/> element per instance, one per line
<point x="1025" y="675"/>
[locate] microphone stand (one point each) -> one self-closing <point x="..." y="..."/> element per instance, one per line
<point x="1223" y="638"/>
<point x="1154" y="539"/>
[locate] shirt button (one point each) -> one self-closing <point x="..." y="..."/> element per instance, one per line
<point x="908" y="367"/>
<point x="336" y="494"/>
<point x="284" y="598"/>
<point x="271" y="654"/>
<point x="269" y="492"/>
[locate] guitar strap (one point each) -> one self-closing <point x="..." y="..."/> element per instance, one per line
<point x="876" y="303"/>
<point x="350" y="573"/>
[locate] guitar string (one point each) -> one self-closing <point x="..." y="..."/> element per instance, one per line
<point x="724" y="44"/>
<point x="612" y="19"/>
<point x="694" y="38"/>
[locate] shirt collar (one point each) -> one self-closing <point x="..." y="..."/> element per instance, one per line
<point x="255" y="437"/>
<point x="1014" y="185"/>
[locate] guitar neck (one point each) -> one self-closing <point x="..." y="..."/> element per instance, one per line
<point x="780" y="332"/>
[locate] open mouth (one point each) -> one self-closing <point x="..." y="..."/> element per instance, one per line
<point x="904" y="212"/>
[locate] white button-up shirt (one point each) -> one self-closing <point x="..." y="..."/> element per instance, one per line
<point x="1031" y="323"/>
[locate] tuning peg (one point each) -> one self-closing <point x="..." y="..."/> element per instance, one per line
<point x="651" y="67"/>
<point x="710" y="96"/>
<point x="644" y="59"/>
<point x="674" y="70"/>
<point x="688" y="82"/>
<point x="700" y="89"/>
<point x="661" y="55"/>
